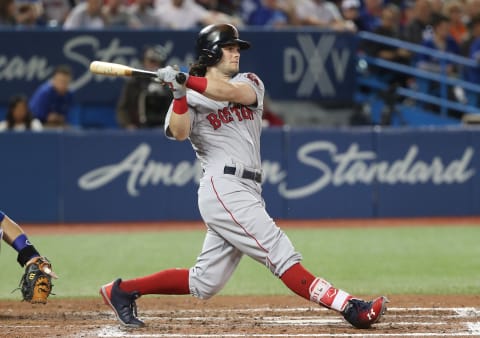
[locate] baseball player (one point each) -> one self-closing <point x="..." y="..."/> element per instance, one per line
<point x="35" y="284"/>
<point x="220" y="111"/>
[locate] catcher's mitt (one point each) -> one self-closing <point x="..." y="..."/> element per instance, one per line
<point x="36" y="283"/>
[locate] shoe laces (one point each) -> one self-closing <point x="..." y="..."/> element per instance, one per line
<point x="133" y="304"/>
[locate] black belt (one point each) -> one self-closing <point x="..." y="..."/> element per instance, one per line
<point x="251" y="175"/>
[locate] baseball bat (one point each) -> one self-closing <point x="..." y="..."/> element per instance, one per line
<point x="116" y="69"/>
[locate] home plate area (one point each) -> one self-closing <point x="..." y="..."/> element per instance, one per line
<point x="235" y="316"/>
<point x="301" y="322"/>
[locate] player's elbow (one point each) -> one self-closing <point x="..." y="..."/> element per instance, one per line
<point x="179" y="127"/>
<point x="179" y="134"/>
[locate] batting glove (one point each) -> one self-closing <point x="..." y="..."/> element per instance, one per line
<point x="169" y="76"/>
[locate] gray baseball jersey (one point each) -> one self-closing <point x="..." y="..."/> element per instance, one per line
<point x="225" y="134"/>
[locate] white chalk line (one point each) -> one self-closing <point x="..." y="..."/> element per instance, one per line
<point x="22" y="326"/>
<point x="456" y="311"/>
<point x="117" y="332"/>
<point x="472" y="328"/>
<point x="320" y="309"/>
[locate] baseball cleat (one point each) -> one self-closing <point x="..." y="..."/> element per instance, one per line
<point x="363" y="314"/>
<point x="122" y="303"/>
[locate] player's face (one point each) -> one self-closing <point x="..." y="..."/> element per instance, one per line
<point x="61" y="82"/>
<point x="20" y="112"/>
<point x="230" y="62"/>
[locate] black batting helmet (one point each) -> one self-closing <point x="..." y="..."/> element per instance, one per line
<point x="212" y="38"/>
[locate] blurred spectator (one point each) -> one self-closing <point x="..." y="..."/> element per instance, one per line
<point x="323" y="14"/>
<point x="117" y="15"/>
<point x="56" y="11"/>
<point x="144" y="102"/>
<point x="370" y="14"/>
<point x="19" y="117"/>
<point x="229" y="7"/>
<point x="351" y="12"/>
<point x="472" y="50"/>
<point x="454" y="11"/>
<point x="268" y="14"/>
<point x="29" y="14"/>
<point x="87" y="15"/>
<point x="247" y="7"/>
<point x="437" y="6"/>
<point x="7" y="13"/>
<point x="418" y="29"/>
<point x="473" y="34"/>
<point x="407" y="15"/>
<point x="441" y="40"/>
<point x="472" y="9"/>
<point x="186" y="14"/>
<point x="389" y="28"/>
<point x="145" y="14"/>
<point x="269" y="117"/>
<point x="52" y="101"/>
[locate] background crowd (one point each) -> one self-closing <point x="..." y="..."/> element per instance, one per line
<point x="446" y="25"/>
<point x="411" y="17"/>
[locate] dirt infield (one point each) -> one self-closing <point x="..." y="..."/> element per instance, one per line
<point x="230" y="316"/>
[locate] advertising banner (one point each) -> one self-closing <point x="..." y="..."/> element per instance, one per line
<point x="294" y="65"/>
<point x="97" y="176"/>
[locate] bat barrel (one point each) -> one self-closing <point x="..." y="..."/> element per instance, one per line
<point x="115" y="69"/>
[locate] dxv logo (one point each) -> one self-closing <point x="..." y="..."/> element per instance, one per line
<point x="307" y="65"/>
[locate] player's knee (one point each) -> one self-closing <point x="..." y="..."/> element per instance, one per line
<point x="282" y="256"/>
<point x="203" y="286"/>
<point x="204" y="291"/>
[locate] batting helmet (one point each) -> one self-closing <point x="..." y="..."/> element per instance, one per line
<point x="212" y="38"/>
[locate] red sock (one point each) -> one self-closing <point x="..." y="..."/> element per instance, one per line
<point x="166" y="282"/>
<point x="317" y="290"/>
<point x="298" y="279"/>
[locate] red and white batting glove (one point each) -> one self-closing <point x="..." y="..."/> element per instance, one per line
<point x="169" y="76"/>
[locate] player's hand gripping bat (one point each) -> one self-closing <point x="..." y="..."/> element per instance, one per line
<point x="116" y="69"/>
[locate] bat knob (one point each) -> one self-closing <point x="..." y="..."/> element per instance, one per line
<point x="181" y="78"/>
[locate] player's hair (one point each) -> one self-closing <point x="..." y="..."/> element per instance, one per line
<point x="63" y="69"/>
<point x="198" y="69"/>
<point x="14" y="101"/>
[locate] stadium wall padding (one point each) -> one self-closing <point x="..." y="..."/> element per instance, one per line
<point x="309" y="173"/>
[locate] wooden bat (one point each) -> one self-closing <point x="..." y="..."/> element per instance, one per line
<point x="116" y="69"/>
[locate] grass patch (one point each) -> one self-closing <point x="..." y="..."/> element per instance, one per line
<point x="413" y="260"/>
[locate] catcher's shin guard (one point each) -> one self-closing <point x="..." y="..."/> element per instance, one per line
<point x="122" y="303"/>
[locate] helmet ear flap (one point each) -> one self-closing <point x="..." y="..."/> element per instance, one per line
<point x="210" y="57"/>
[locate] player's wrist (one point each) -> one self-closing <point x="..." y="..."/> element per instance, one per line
<point x="180" y="106"/>
<point x="197" y="83"/>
